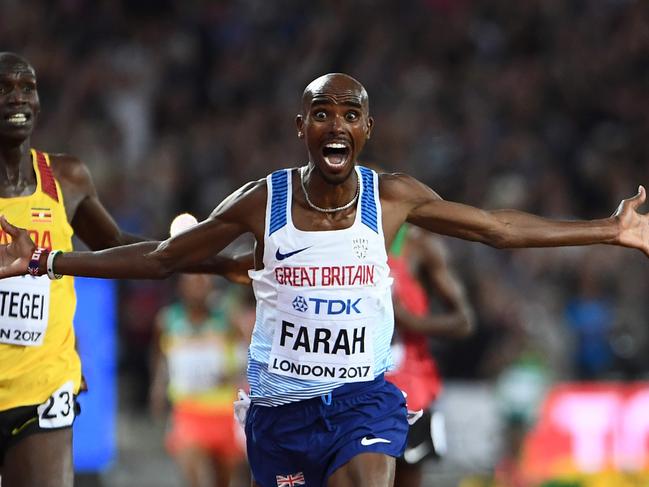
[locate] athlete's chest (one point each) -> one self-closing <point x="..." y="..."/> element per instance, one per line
<point x="314" y="221"/>
<point x="43" y="217"/>
<point x="19" y="190"/>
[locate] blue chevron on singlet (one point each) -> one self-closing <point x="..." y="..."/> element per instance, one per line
<point x="324" y="307"/>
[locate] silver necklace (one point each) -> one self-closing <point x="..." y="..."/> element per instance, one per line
<point x="328" y="210"/>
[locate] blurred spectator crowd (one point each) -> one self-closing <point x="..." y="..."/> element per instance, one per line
<point x="538" y="105"/>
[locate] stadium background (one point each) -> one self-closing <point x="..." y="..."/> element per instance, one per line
<point x="539" y="105"/>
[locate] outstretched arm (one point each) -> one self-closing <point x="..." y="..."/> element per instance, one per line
<point x="98" y="230"/>
<point x="421" y="206"/>
<point x="239" y="213"/>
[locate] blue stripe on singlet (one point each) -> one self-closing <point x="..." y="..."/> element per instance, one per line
<point x="279" y="189"/>
<point x="368" y="203"/>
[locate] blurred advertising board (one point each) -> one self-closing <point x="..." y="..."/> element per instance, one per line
<point x="94" y="434"/>
<point x="591" y="433"/>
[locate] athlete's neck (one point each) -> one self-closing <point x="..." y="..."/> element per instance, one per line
<point x="325" y="193"/>
<point x="16" y="171"/>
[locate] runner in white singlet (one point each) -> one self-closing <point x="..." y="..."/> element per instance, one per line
<point x="350" y="435"/>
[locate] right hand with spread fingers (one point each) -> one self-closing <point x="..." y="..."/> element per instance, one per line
<point x="15" y="256"/>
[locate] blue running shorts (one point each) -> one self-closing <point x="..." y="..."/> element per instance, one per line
<point x="303" y="443"/>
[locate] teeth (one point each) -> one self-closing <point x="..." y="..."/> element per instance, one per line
<point x="18" y="119"/>
<point x="336" y="145"/>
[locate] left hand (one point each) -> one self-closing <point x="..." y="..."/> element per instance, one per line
<point x="15" y="256"/>
<point x="634" y="226"/>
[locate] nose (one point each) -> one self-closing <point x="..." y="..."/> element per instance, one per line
<point x="338" y="124"/>
<point x="16" y="95"/>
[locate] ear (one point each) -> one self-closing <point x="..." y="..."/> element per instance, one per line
<point x="370" y="126"/>
<point x="299" y="123"/>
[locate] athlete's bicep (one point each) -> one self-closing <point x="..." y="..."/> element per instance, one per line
<point x="96" y="227"/>
<point x="237" y="214"/>
<point x="413" y="201"/>
<point x="198" y="243"/>
<point x="89" y="218"/>
<point x="456" y="220"/>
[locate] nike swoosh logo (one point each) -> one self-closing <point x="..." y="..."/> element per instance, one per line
<point x="17" y="430"/>
<point x="413" y="455"/>
<point x="280" y="256"/>
<point x="365" y="441"/>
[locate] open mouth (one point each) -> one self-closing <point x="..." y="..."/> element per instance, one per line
<point x="18" y="119"/>
<point x="336" y="153"/>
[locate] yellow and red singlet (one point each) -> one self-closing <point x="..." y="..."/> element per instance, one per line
<point x="37" y="344"/>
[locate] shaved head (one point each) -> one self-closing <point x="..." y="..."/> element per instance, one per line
<point x="338" y="87"/>
<point x="12" y="62"/>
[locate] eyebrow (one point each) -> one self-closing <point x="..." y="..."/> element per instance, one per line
<point x="12" y="72"/>
<point x="326" y="100"/>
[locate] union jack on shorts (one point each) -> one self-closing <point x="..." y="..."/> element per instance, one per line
<point x="290" y="480"/>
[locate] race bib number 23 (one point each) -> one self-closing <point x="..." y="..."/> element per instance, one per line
<point x="58" y="410"/>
